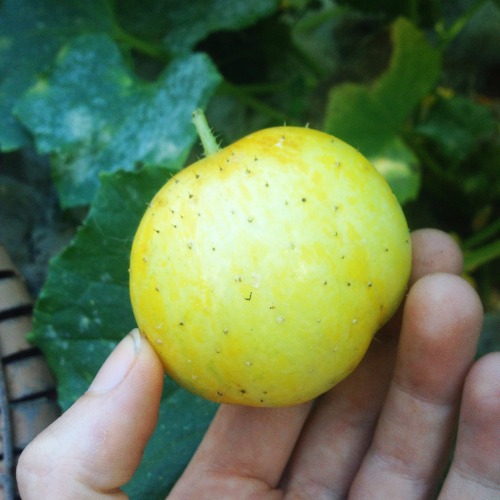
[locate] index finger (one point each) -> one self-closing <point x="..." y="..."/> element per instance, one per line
<point x="243" y="454"/>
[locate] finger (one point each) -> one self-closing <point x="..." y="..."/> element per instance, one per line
<point x="442" y="322"/>
<point x="434" y="252"/>
<point x="243" y="453"/>
<point x="339" y="430"/>
<point x="94" y="448"/>
<point x="475" y="470"/>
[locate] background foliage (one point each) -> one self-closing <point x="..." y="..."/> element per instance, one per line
<point x="95" y="111"/>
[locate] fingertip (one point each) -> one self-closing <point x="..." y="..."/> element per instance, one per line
<point x="444" y="297"/>
<point x="434" y="251"/>
<point x="481" y="401"/>
<point x="150" y="368"/>
<point x="115" y="369"/>
<point x="441" y="326"/>
<point x="476" y="464"/>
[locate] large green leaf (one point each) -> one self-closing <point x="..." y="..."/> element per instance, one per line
<point x="457" y="125"/>
<point x="372" y="117"/>
<point x="84" y="310"/>
<point x="31" y="33"/>
<point x="92" y="114"/>
<point x="183" y="24"/>
<point x="368" y="117"/>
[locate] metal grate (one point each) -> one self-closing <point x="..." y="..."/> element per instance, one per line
<point x="27" y="389"/>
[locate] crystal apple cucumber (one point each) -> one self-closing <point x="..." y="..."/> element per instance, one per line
<point x="261" y="272"/>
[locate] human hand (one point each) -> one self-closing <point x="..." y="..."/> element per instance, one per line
<point x="385" y="430"/>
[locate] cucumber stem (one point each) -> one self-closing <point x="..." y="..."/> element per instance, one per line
<point x="206" y="136"/>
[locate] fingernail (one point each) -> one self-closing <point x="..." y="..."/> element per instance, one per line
<point x="118" y="364"/>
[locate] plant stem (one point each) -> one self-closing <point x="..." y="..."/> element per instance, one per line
<point x="153" y="50"/>
<point x="206" y="136"/>
<point x="481" y="237"/>
<point x="447" y="35"/>
<point x="256" y="104"/>
<point x="479" y="257"/>
<point x="413" y="11"/>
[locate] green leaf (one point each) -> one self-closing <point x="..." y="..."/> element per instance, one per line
<point x="456" y="125"/>
<point x="31" y="33"/>
<point x="399" y="167"/>
<point x="183" y="24"/>
<point x="356" y="116"/>
<point x="479" y="256"/>
<point x="413" y="72"/>
<point x="84" y="310"/>
<point x="85" y="297"/>
<point x="369" y="117"/>
<point x="182" y="422"/>
<point x="93" y="115"/>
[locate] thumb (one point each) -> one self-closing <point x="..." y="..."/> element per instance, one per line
<point x="95" y="447"/>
